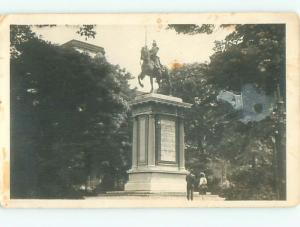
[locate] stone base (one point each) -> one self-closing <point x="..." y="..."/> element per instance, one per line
<point x="156" y="181"/>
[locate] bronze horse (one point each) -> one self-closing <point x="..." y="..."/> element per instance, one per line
<point x="153" y="71"/>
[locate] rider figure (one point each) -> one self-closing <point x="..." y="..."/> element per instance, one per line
<point x="154" y="57"/>
<point x="152" y="67"/>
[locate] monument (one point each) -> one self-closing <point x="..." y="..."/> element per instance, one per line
<point x="158" y="144"/>
<point x="158" y="135"/>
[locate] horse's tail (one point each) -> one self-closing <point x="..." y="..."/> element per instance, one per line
<point x="168" y="80"/>
<point x="139" y="79"/>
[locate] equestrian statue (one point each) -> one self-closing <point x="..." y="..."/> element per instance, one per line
<point x="153" y="68"/>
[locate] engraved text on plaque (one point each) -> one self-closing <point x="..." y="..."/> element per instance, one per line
<point x="168" y="140"/>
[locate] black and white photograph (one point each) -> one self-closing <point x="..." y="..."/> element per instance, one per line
<point x="152" y="111"/>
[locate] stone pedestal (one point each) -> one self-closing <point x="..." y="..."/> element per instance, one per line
<point x="158" y="144"/>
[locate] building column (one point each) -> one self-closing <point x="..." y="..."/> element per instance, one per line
<point x="181" y="144"/>
<point x="134" y="143"/>
<point x="151" y="140"/>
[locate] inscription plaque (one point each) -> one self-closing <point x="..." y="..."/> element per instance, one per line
<point x="168" y="140"/>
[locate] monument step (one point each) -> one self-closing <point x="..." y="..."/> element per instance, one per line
<point x="154" y="195"/>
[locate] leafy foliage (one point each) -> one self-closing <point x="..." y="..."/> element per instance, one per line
<point x="192" y="29"/>
<point x="19" y="35"/>
<point x="69" y="118"/>
<point x="251" y="54"/>
<point x="254" y="152"/>
<point x="87" y="30"/>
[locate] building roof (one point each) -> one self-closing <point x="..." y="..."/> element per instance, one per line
<point x="83" y="45"/>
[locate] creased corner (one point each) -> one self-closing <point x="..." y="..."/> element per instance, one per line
<point x="2" y="18"/>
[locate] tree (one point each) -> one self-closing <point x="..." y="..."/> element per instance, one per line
<point x="20" y="34"/>
<point x="69" y="118"/>
<point x="192" y="29"/>
<point x="87" y="30"/>
<point x="250" y="54"/>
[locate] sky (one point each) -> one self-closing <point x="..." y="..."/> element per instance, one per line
<point x="122" y="44"/>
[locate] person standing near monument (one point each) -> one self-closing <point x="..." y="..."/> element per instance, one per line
<point x="202" y="184"/>
<point x="190" y="184"/>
